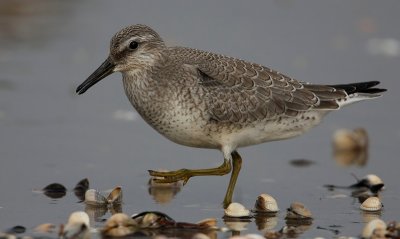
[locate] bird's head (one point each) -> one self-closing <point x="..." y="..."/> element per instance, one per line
<point x="132" y="49"/>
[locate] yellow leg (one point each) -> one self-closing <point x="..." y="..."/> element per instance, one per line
<point x="185" y="174"/>
<point x="237" y="165"/>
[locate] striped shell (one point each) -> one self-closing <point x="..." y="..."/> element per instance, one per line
<point x="297" y="210"/>
<point x="372" y="204"/>
<point x="266" y="203"/>
<point x="236" y="210"/>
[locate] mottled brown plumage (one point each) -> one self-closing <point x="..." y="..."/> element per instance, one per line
<point x="207" y="100"/>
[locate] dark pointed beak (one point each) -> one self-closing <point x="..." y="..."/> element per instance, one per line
<point x="103" y="71"/>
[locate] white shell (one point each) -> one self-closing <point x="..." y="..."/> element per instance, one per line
<point x="297" y="210"/>
<point x="93" y="197"/>
<point x="77" y="226"/>
<point x="266" y="203"/>
<point x="376" y="224"/>
<point x="371" y="204"/>
<point x="236" y="210"/>
<point x="79" y="217"/>
<point x="373" y="179"/>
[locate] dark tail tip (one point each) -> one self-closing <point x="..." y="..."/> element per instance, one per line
<point x="360" y="87"/>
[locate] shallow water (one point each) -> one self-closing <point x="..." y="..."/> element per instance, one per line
<point x="49" y="134"/>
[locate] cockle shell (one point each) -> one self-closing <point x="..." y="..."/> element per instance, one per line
<point x="297" y="210"/>
<point x="119" y="225"/>
<point x="372" y="204"/>
<point x="376" y="224"/>
<point x="266" y="203"/>
<point x="94" y="198"/>
<point x="236" y="210"/>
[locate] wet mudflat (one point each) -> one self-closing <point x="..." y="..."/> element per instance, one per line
<point x="50" y="135"/>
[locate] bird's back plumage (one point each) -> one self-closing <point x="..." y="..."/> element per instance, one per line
<point x="240" y="91"/>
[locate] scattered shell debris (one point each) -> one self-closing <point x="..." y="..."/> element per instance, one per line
<point x="16" y="230"/>
<point x="157" y="220"/>
<point x="81" y="188"/>
<point x="297" y="213"/>
<point x="236" y="210"/>
<point x="373" y="227"/>
<point x="371" y="182"/>
<point x="119" y="225"/>
<point x="265" y="203"/>
<point x="45" y="228"/>
<point x="94" y="198"/>
<point x="77" y="227"/>
<point x="372" y="204"/>
<point x="55" y="190"/>
<point x="378" y="229"/>
<point x="96" y="212"/>
<point x="292" y="231"/>
<point x="152" y="219"/>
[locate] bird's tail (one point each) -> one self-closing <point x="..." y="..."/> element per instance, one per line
<point x="358" y="91"/>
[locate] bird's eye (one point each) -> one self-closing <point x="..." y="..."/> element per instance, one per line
<point x="133" y="45"/>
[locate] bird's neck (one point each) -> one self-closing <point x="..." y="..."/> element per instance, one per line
<point x="143" y="88"/>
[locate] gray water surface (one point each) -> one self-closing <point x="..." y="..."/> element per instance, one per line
<point x="50" y="134"/>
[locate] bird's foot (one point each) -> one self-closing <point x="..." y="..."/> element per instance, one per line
<point x="171" y="176"/>
<point x="185" y="174"/>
